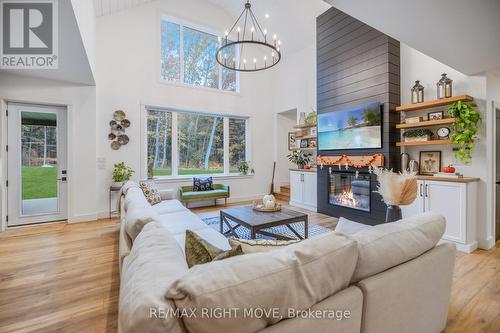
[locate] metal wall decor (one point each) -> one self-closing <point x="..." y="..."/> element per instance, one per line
<point x="117" y="133"/>
<point x="257" y="51"/>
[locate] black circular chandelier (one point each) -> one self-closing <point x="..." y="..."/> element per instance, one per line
<point x="250" y="51"/>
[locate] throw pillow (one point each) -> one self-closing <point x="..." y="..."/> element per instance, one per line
<point x="202" y="184"/>
<point x="260" y="245"/>
<point x="199" y="251"/>
<point x="151" y="192"/>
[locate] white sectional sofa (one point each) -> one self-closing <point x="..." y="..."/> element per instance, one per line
<point x="390" y="278"/>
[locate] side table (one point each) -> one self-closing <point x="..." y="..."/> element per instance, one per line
<point x="111" y="190"/>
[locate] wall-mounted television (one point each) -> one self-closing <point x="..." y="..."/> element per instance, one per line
<point x="359" y="127"/>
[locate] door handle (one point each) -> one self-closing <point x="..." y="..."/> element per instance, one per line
<point x="62" y="179"/>
<point x="426" y="190"/>
<point x="421" y="189"/>
<point x="498" y="183"/>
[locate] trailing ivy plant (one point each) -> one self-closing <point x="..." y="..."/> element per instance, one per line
<point x="417" y="132"/>
<point x="465" y="130"/>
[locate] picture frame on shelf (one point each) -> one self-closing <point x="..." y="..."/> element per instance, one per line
<point x="436" y="115"/>
<point x="429" y="162"/>
<point x="312" y="143"/>
<point x="313" y="131"/>
<point x="304" y="144"/>
<point x="292" y="141"/>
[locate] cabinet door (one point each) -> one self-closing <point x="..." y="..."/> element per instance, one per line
<point x="417" y="207"/>
<point x="449" y="200"/>
<point x="310" y="189"/>
<point x="296" y="187"/>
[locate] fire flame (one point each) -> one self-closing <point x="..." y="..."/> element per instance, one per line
<point x="346" y="198"/>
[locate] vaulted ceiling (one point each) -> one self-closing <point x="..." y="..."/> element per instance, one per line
<point x="292" y="20"/>
<point x="463" y="34"/>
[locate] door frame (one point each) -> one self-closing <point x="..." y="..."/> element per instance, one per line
<point x="14" y="174"/>
<point x="70" y="156"/>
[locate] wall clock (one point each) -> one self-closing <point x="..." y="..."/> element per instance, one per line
<point x="443" y="133"/>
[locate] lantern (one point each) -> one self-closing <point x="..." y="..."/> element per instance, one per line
<point x="444" y="87"/>
<point x="417" y="93"/>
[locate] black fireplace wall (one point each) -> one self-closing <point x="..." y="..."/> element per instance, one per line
<point x="357" y="64"/>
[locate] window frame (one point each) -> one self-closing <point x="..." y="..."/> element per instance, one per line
<point x="175" y="147"/>
<point x="184" y="23"/>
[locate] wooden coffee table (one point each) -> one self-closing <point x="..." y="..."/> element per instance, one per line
<point x="245" y="216"/>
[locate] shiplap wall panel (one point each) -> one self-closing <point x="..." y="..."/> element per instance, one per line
<point x="357" y="64"/>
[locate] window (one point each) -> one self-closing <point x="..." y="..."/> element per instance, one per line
<point x="188" y="56"/>
<point x="201" y="143"/>
<point x="237" y="143"/>
<point x="159" y="133"/>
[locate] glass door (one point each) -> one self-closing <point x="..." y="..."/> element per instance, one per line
<point x="37" y="175"/>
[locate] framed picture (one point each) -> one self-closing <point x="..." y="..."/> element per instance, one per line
<point x="435" y="115"/>
<point x="292" y="141"/>
<point x="429" y="162"/>
<point x="313" y="131"/>
<point x="304" y="144"/>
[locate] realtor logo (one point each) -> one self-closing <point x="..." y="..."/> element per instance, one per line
<point x="28" y="34"/>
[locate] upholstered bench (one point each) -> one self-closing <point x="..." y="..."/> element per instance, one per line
<point x="220" y="191"/>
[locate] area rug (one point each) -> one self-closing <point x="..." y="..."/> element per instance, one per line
<point x="244" y="233"/>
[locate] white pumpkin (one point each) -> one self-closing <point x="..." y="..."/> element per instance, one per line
<point x="270" y="204"/>
<point x="266" y="198"/>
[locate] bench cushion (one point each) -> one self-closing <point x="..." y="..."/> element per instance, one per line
<point x="202" y="195"/>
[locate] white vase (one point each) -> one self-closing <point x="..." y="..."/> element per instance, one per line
<point x="117" y="184"/>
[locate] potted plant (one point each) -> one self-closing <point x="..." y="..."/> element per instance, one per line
<point x="465" y="129"/>
<point x="122" y="173"/>
<point x="299" y="158"/>
<point x="419" y="134"/>
<point x="243" y="168"/>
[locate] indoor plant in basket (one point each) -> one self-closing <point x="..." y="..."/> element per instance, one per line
<point x="300" y="158"/>
<point x="122" y="173"/>
<point x="396" y="189"/>
<point x="419" y="134"/>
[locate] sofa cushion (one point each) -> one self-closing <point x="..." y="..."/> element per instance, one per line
<point x="260" y="245"/>
<point x="137" y="218"/>
<point x="178" y="222"/>
<point x="313" y="270"/>
<point x="135" y="197"/>
<point x="168" y="206"/>
<point x="155" y="261"/>
<point x="202" y="195"/>
<point x="387" y="245"/>
<point x="349" y="227"/>
<point x="198" y="251"/>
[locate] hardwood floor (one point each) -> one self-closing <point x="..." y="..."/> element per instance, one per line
<point x="64" y="278"/>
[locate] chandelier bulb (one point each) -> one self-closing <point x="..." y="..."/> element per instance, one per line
<point x="226" y="33"/>
<point x="254" y="60"/>
<point x="238" y="29"/>
<point x="265" y="31"/>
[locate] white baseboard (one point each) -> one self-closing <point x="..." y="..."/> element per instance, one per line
<point x="467" y="248"/>
<point x="487" y="244"/>
<point x="83" y="218"/>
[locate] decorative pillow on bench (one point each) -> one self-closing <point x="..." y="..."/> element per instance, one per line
<point x="202" y="184"/>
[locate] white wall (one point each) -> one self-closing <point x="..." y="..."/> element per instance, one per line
<point x="86" y="20"/>
<point x="417" y="66"/>
<point x="284" y="124"/>
<point x="81" y="102"/>
<point x="128" y="77"/>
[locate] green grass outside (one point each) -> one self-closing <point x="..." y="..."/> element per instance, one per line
<point x="39" y="182"/>
<point x="183" y="172"/>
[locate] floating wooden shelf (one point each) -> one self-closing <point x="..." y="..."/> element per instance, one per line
<point x="423" y="143"/>
<point x="427" y="123"/>
<point x="434" y="103"/>
<point x="305" y="137"/>
<point x="304" y="126"/>
<point x="310" y="149"/>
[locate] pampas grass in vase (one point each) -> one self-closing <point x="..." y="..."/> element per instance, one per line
<point x="396" y="189"/>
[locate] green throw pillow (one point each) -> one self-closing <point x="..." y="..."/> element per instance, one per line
<point x="199" y="251"/>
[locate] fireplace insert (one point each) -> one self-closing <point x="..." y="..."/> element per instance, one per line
<point x="350" y="190"/>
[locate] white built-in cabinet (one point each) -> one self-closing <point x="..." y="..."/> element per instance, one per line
<point x="303" y="189"/>
<point x="456" y="201"/>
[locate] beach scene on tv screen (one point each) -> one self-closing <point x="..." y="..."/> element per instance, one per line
<point x="353" y="128"/>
